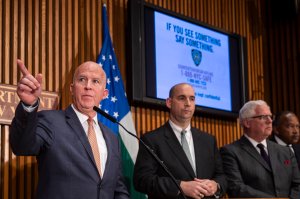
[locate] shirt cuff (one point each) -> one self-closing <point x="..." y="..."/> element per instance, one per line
<point x="30" y="108"/>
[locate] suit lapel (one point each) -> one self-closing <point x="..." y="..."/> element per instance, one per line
<point x="249" y="148"/>
<point x="198" y="147"/>
<point x="296" y="148"/>
<point x="272" y="151"/>
<point x="176" y="148"/>
<point x="75" y="124"/>
<point x="108" y="143"/>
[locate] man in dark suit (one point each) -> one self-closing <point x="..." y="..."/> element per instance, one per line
<point x="256" y="167"/>
<point x="190" y="155"/>
<point x="286" y="132"/>
<point x="77" y="156"/>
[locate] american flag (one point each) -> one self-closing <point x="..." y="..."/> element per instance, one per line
<point x="116" y="105"/>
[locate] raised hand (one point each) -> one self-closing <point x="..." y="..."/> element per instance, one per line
<point x="29" y="88"/>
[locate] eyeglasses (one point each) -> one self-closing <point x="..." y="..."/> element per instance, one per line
<point x="263" y="117"/>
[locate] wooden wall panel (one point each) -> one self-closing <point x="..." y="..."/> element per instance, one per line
<point x="54" y="36"/>
<point x="282" y="49"/>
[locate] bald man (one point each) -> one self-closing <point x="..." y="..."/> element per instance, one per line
<point x="191" y="155"/>
<point x="78" y="157"/>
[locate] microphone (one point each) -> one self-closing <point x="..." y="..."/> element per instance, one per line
<point x="160" y="162"/>
<point x="103" y="113"/>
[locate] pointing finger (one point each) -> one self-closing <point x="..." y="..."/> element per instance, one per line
<point x="39" y="78"/>
<point x="22" y="67"/>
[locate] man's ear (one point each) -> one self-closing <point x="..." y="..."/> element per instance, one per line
<point x="71" y="88"/>
<point x="246" y="123"/>
<point x="105" y="93"/>
<point x="168" y="102"/>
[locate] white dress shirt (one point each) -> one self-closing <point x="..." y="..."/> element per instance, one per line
<point x="281" y="142"/>
<point x="254" y="143"/>
<point x="100" y="139"/>
<point x="189" y="138"/>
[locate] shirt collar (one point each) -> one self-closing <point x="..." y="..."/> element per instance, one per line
<point x="83" y="118"/>
<point x="254" y="143"/>
<point x="280" y="141"/>
<point x="177" y="128"/>
<point x="177" y="131"/>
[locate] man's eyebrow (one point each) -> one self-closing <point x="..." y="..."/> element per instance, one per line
<point x="187" y="96"/>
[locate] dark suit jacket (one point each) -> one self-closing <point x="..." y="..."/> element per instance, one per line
<point x="65" y="160"/>
<point x="250" y="176"/>
<point x="151" y="179"/>
<point x="296" y="148"/>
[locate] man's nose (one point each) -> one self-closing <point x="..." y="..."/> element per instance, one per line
<point x="296" y="129"/>
<point x="88" y="84"/>
<point x="188" y="102"/>
<point x="269" y="120"/>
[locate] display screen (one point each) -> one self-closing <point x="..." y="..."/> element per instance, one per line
<point x="168" y="49"/>
<point x="190" y="53"/>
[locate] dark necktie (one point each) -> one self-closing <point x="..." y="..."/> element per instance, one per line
<point x="264" y="154"/>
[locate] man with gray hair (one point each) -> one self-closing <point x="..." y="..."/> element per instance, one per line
<point x="78" y="157"/>
<point x="256" y="167"/>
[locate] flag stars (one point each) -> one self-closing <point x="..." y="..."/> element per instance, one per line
<point x="100" y="64"/>
<point x="110" y="57"/>
<point x="108" y="81"/>
<point x="103" y="57"/>
<point x="113" y="67"/>
<point x="116" y="78"/>
<point x="106" y="111"/>
<point x="113" y="99"/>
<point x="116" y="114"/>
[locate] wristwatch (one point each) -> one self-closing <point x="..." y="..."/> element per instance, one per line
<point x="218" y="192"/>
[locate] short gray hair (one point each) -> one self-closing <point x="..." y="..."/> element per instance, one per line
<point x="248" y="110"/>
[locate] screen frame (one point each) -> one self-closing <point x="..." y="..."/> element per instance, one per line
<point x="137" y="86"/>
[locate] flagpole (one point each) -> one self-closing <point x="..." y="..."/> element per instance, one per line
<point x="116" y="103"/>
